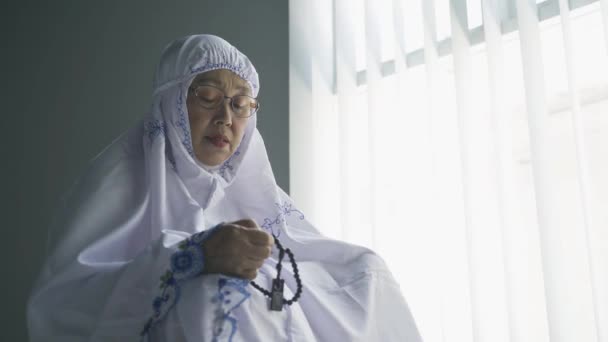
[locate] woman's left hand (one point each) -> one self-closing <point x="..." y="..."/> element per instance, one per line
<point x="238" y="249"/>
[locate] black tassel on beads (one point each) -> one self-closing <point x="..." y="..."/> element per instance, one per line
<point x="276" y="294"/>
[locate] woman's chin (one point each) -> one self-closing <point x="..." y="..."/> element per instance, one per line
<point x="212" y="159"/>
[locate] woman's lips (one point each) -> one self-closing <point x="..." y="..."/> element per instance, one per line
<point x="218" y="141"/>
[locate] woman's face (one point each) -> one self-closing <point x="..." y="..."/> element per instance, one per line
<point x="216" y="133"/>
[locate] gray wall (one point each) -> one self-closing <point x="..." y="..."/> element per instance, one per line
<point x="77" y="74"/>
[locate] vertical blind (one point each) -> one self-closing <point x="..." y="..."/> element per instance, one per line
<point x="466" y="141"/>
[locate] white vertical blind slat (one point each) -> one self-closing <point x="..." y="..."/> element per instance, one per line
<point x="300" y="105"/>
<point x="324" y="121"/>
<point x="484" y="243"/>
<point x="447" y="223"/>
<point x="536" y="108"/>
<point x="462" y="73"/>
<point x="561" y="277"/>
<point x="582" y="162"/>
<point x="411" y="179"/>
<point x="435" y="262"/>
<point x="523" y="321"/>
<point x="373" y="50"/>
<point x="491" y="19"/>
<point x="346" y="88"/>
<point x="604" y="9"/>
<point x="400" y="40"/>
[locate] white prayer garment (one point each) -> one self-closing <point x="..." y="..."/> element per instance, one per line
<point x="116" y="271"/>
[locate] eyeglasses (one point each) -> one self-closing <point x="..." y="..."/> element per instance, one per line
<point x="210" y="97"/>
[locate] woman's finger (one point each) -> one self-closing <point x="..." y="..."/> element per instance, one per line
<point x="260" y="238"/>
<point x="258" y="252"/>
<point x="247" y="223"/>
<point x="250" y="274"/>
<point x="239" y="266"/>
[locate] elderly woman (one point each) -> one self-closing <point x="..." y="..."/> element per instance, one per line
<point x="179" y="232"/>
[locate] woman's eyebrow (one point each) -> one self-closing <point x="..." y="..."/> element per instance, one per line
<point x="244" y="89"/>
<point x="221" y="85"/>
<point x="208" y="82"/>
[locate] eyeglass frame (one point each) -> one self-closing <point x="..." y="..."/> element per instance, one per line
<point x="253" y="111"/>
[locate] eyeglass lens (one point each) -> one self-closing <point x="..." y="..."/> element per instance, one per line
<point x="211" y="98"/>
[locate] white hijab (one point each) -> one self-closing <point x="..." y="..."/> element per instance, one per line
<point x="146" y="192"/>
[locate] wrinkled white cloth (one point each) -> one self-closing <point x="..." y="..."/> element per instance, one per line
<point x="146" y="193"/>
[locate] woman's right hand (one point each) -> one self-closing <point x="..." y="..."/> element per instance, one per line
<point x="237" y="249"/>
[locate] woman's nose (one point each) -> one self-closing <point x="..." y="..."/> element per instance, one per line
<point x="224" y="115"/>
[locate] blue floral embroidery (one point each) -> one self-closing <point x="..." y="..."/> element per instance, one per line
<point x="186" y="263"/>
<point x="231" y="293"/>
<point x="164" y="302"/>
<point x="285" y="209"/>
<point x="182" y="124"/>
<point x="237" y="69"/>
<point x="155" y="128"/>
<point x="227" y="165"/>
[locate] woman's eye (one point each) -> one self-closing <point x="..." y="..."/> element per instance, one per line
<point x="208" y="97"/>
<point x="241" y="102"/>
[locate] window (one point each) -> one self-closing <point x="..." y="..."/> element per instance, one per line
<point x="467" y="143"/>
